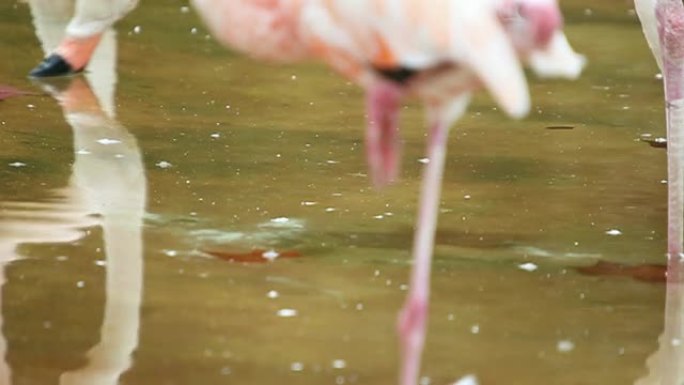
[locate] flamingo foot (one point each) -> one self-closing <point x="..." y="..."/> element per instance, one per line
<point x="70" y="58"/>
<point x="53" y="65"/>
<point x="411" y="327"/>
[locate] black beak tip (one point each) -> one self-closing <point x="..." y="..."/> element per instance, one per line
<point x="53" y="65"/>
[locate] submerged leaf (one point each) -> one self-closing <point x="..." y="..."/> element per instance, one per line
<point x="646" y="273"/>
<point x="253" y="256"/>
<point x="560" y="127"/>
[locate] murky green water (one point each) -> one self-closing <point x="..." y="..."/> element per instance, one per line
<point x="104" y="219"/>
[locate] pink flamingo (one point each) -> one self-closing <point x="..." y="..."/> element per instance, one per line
<point x="663" y="24"/>
<point x="436" y="50"/>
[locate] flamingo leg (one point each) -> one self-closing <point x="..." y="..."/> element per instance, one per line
<point x="670" y="16"/>
<point x="412" y="320"/>
<point x="383" y="146"/>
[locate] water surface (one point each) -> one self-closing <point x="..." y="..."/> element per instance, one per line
<point x="174" y="146"/>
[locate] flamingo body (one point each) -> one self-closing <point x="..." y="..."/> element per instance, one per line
<point x="360" y="39"/>
<point x="267" y="28"/>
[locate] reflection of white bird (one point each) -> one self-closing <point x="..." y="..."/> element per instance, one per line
<point x="24" y="222"/>
<point x="107" y="180"/>
<point x="663" y="25"/>
<point x="112" y="179"/>
<point x="666" y="365"/>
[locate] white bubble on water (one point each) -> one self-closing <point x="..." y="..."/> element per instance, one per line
<point x="339" y="364"/>
<point x="270" y="255"/>
<point x="529" y="266"/>
<point x="287" y="313"/>
<point x="467" y="380"/>
<point x="565" y="346"/>
<point x="108" y="141"/>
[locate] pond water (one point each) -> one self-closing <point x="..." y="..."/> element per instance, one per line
<point x="122" y="207"/>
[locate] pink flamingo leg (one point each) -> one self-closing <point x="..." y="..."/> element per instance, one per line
<point x="383" y="147"/>
<point x="413" y="316"/>
<point x="670" y="16"/>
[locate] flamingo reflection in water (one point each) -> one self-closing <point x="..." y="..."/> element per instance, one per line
<point x="439" y="51"/>
<point x="107" y="188"/>
<point x="666" y="365"/>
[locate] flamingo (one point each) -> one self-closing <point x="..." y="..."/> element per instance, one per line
<point x="663" y="25"/>
<point x="436" y="50"/>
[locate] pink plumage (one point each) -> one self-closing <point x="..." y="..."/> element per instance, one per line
<point x="263" y="29"/>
